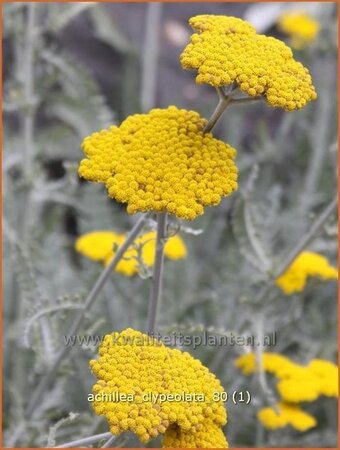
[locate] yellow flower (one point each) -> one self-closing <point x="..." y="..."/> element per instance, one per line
<point x="307" y="264"/>
<point x="274" y="363"/>
<point x="300" y="387"/>
<point x="227" y="50"/>
<point x="318" y="378"/>
<point x="99" y="246"/>
<point x="300" y="26"/>
<point x="161" y="161"/>
<point x="209" y="435"/>
<point x="297" y="383"/>
<point x="327" y="372"/>
<point x="165" y="389"/>
<point x="96" y="245"/>
<point x="287" y="414"/>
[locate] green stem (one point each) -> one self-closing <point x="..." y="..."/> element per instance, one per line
<point x="307" y="238"/>
<point x="28" y="68"/>
<point x="156" y="290"/>
<point x="267" y="393"/>
<point x="220" y="108"/>
<point x="300" y="246"/>
<point x="109" y="442"/>
<point x="225" y="100"/>
<point x="150" y="55"/>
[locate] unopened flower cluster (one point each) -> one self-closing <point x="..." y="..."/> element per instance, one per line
<point x="100" y="246"/>
<point x="134" y="363"/>
<point x="306" y="265"/>
<point x="227" y="50"/>
<point x="300" y="26"/>
<point x="296" y="383"/>
<point x="161" y="161"/>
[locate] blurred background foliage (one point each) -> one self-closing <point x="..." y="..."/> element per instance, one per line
<point x="74" y="68"/>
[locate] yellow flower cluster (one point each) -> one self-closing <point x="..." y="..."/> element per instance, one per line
<point x="209" y="436"/>
<point x="227" y="50"/>
<point x="307" y="264"/>
<point x="274" y="363"/>
<point x="301" y="27"/>
<point x="151" y="375"/>
<point x="286" y="414"/>
<point x="304" y="384"/>
<point x="99" y="246"/>
<point x="161" y="161"/>
<point x="296" y="384"/>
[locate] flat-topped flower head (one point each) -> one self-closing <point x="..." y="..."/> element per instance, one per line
<point x="318" y="378"/>
<point x="161" y="161"/>
<point x="164" y="388"/>
<point x="296" y="383"/>
<point x="100" y="246"/>
<point x="274" y="363"/>
<point x="300" y="26"/>
<point x="227" y="50"/>
<point x="285" y="414"/>
<point x="306" y="265"/>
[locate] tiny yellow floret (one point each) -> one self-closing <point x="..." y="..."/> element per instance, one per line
<point x="99" y="246"/>
<point x="300" y="26"/>
<point x="227" y="50"/>
<point x="307" y="264"/>
<point x="161" y="161"/>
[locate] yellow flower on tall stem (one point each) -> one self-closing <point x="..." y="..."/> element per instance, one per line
<point x="227" y="50"/>
<point x="162" y="161"/>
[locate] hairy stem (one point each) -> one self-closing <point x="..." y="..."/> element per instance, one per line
<point x="225" y="100"/>
<point x="150" y="55"/>
<point x="267" y="393"/>
<point x="261" y="375"/>
<point x="25" y="64"/>
<point x="90" y="300"/>
<point x="300" y="246"/>
<point x="156" y="289"/>
<point x="307" y="238"/>
<point x="319" y="138"/>
<point x="109" y="442"/>
<point x="28" y="88"/>
<point x="86" y="441"/>
<point x="220" y="108"/>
